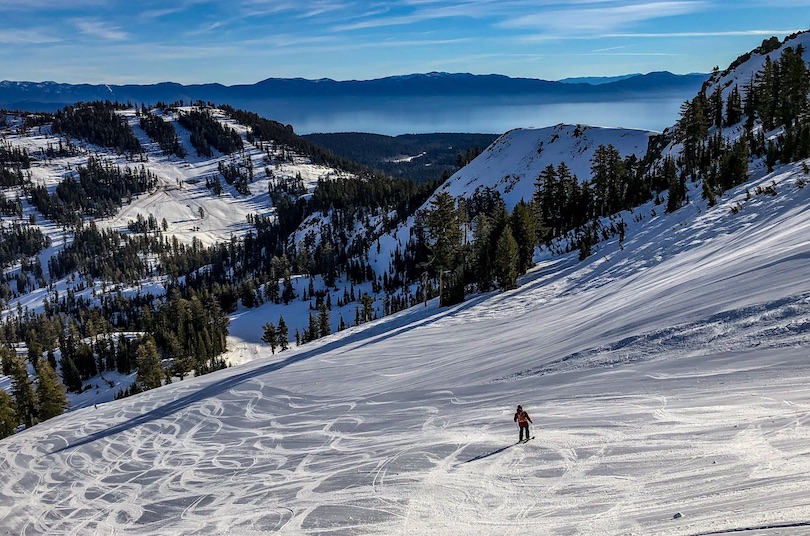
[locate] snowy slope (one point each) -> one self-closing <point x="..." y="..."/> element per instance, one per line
<point x="741" y="75"/>
<point x="666" y="376"/>
<point x="190" y="209"/>
<point x="513" y="162"/>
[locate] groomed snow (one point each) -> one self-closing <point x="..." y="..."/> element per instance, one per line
<point x="665" y="376"/>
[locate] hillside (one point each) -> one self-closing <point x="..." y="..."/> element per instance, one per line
<point x="512" y="164"/>
<point x="665" y="376"/>
<point x="194" y="227"/>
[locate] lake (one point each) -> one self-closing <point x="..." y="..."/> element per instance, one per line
<point x="440" y="114"/>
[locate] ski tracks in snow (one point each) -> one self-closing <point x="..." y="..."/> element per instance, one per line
<point x="258" y="459"/>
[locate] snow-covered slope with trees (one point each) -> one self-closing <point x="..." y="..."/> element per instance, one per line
<point x="181" y="199"/>
<point x="742" y="71"/>
<point x="666" y="380"/>
<point x="513" y="162"/>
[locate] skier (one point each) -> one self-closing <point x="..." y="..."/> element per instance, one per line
<point x="523" y="420"/>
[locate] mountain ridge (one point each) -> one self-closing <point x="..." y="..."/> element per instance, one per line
<point x="27" y="95"/>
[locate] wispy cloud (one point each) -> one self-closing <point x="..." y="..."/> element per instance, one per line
<point x="259" y="8"/>
<point x="667" y="35"/>
<point x="100" y="30"/>
<point x="427" y="10"/>
<point x="315" y="9"/>
<point x="25" y="5"/>
<point x="611" y="49"/>
<point x="159" y="13"/>
<point x="31" y="36"/>
<point x="600" y="20"/>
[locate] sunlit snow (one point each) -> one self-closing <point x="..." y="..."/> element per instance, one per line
<point x="666" y="377"/>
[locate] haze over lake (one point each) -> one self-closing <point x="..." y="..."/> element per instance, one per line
<point x="421" y="115"/>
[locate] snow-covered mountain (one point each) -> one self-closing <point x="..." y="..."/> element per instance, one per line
<point x="513" y="162"/>
<point x="741" y="72"/>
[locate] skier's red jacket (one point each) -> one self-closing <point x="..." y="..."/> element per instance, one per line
<point x="521" y="417"/>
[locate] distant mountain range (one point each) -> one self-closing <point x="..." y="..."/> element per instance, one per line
<point x="49" y="96"/>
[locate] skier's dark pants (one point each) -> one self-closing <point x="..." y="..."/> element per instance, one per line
<point x="522" y="428"/>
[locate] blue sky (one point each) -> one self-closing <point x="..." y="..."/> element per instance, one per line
<point x="244" y="41"/>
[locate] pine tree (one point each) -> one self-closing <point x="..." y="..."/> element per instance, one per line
<point x="312" y="331"/>
<point x="608" y="179"/>
<point x="483" y="269"/>
<point x="6" y="356"/>
<point x="324" y="324"/>
<point x="282" y="335"/>
<point x="716" y="106"/>
<point x="8" y="415"/>
<point x="367" y="302"/>
<point x="269" y="336"/>
<point x="150" y="372"/>
<point x="548" y="199"/>
<point x="23" y="391"/>
<point x="442" y="224"/>
<point x="525" y="229"/>
<point x="677" y="192"/>
<point x="693" y="127"/>
<point x="70" y="375"/>
<point x="734" y="111"/>
<point x="506" y="260"/>
<point x="51" y="397"/>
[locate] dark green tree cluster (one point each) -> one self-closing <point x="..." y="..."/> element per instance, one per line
<point x="779" y="95"/>
<point x="84" y="358"/>
<point x="103" y="253"/>
<point x="207" y="132"/>
<point x="98" y="123"/>
<point x="101" y="189"/>
<point x="161" y="132"/>
<point x="11" y="177"/>
<point x="502" y="247"/>
<point x="20" y="240"/>
<point x="238" y="174"/>
<point x="143" y="224"/>
<point x="63" y="148"/>
<point x="369" y="193"/>
<point x="31" y="400"/>
<point x="464" y="158"/>
<point x="14" y="157"/>
<point x="11" y="207"/>
<point x="191" y="329"/>
<point x="277" y="336"/>
<point x="565" y="203"/>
